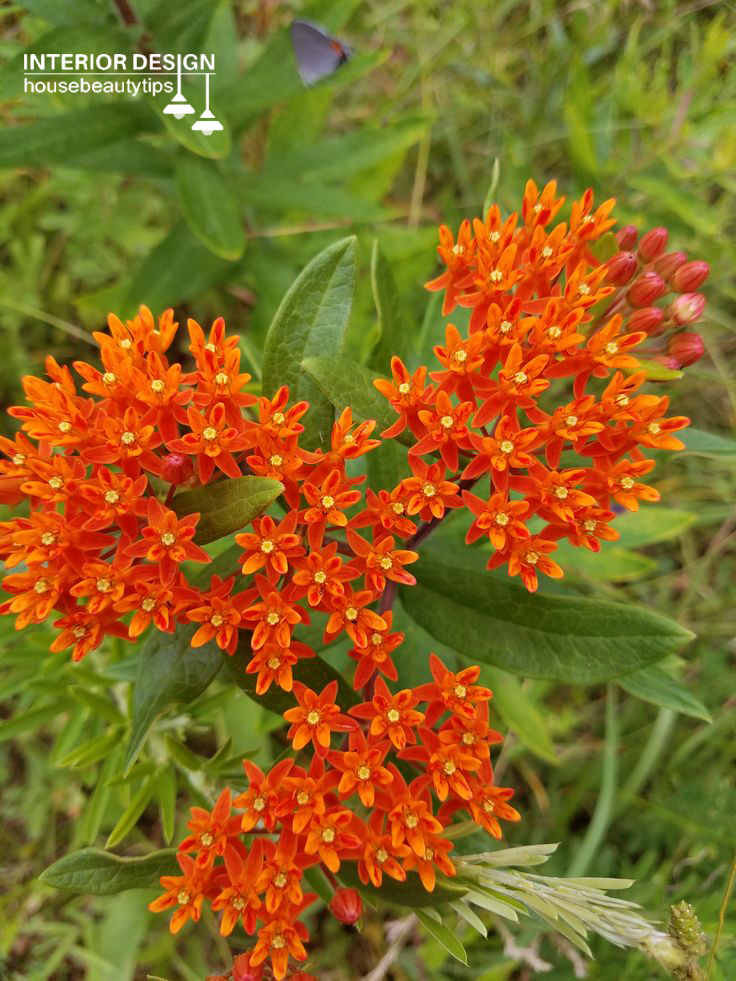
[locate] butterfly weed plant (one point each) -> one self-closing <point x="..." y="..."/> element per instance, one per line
<point x="535" y="426"/>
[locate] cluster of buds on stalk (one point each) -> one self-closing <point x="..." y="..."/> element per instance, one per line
<point x="646" y="277"/>
<point x="540" y="402"/>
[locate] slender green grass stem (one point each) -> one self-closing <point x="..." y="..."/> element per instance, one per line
<point x="721" y="920"/>
<point x="604" y="807"/>
<point x="650" y="756"/>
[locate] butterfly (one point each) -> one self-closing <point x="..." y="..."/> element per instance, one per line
<point x="317" y="53"/>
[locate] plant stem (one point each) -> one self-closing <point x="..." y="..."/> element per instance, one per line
<point x="604" y="805"/>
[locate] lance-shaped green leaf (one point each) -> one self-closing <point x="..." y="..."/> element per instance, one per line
<point x="395" y="337"/>
<point x="345" y="382"/>
<point x="169" y="671"/>
<point x="444" y="935"/>
<point x="210" y="208"/>
<point x="580" y="641"/>
<point x="314" y="672"/>
<point x="216" y="145"/>
<point x="311" y="319"/>
<point x="227" y="506"/>
<point x="99" y="873"/>
<point x="707" y="444"/>
<point x="657" y="686"/>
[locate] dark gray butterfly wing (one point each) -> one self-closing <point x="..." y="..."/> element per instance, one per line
<point x="317" y="53"/>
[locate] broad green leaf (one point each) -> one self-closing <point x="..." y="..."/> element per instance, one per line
<point x="345" y="383"/>
<point x="444" y="935"/>
<point x="169" y="671"/>
<point x="386" y="465"/>
<point x="518" y="712"/>
<point x="99" y="873"/>
<point x="176" y="269"/>
<point x="311" y="319"/>
<point x="274" y="194"/>
<point x="210" y="208"/>
<point x="314" y="672"/>
<point x="215" y="145"/>
<point x="137" y="805"/>
<point x="701" y="443"/>
<point x="611" y="564"/>
<point x="227" y="506"/>
<point x="59" y="139"/>
<point x="166" y="791"/>
<point x="395" y="336"/>
<point x="657" y="686"/>
<point x="650" y="525"/>
<point x="410" y="893"/>
<point x="580" y="641"/>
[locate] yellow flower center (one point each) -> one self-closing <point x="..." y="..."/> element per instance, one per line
<point x="458" y="249"/>
<point x="19" y="459"/>
<point x="183" y="897"/>
<point x="104" y="585"/>
<point x="109" y="378"/>
<point x="520" y="378"/>
<point x="584" y="289"/>
<point x="48" y="538"/>
<point x="505" y="326"/>
<point x="381" y="855"/>
<point x="112" y="497"/>
<point x="411" y="820"/>
<point x="654" y="428"/>
<point x="210" y="347"/>
<point x="488" y="806"/>
<point x="221" y="379"/>
<point x="79" y="632"/>
<point x="272" y="618"/>
<point x="126" y="344"/>
<point x="627" y="482"/>
<point x="460" y="691"/>
<point x="56" y="482"/>
<point x="554" y="332"/>
<point x="589" y="525"/>
<point x="611" y="348"/>
<point x="302" y="798"/>
<point x="429" y="490"/>
<point x="376" y="639"/>
<point x="507" y="446"/>
<point x="41" y="585"/>
<point x="547" y="252"/>
<point x="320" y="577"/>
<point x="622" y="400"/>
<point x="328" y="502"/>
<point x="446" y="422"/>
<point x="278" y="942"/>
<point x="209" y="433"/>
<point x="207" y="839"/>
<point x="259" y="804"/>
<point x="501" y="518"/>
<point x="274" y="662"/>
<point x="328" y="835"/>
<point x="495" y="277"/>
<point x="157" y="386"/>
<point x="571" y="421"/>
<point x="349" y="438"/>
<point x="167" y="539"/>
<point x="468" y="738"/>
<point x="148" y="604"/>
<point x="494" y="237"/>
<point x="280" y="880"/>
<point x="531" y="557"/>
<point x="448" y="768"/>
<point x="397" y="507"/>
<point x="279" y="418"/>
<point x="385" y="562"/>
<point x="313" y="717"/>
<point x="461" y="356"/>
<point x="64" y="426"/>
<point x="216" y="620"/>
<point x="267" y="546"/>
<point x="351" y="614"/>
<point x="237" y="902"/>
<point x="561" y="493"/>
<point x="393" y="716"/>
<point x="364" y="772"/>
<point x="404" y="388"/>
<point x="127" y="438"/>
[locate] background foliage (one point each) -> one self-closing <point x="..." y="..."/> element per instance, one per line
<point x="441" y="100"/>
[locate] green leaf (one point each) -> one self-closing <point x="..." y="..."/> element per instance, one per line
<point x="99" y="873"/>
<point x="58" y="139"/>
<point x="650" y="525"/>
<point x="611" y="564"/>
<point x="210" y="208"/>
<point x="580" y="641"/>
<point x="312" y="318"/>
<point x="215" y="146"/>
<point x="166" y="791"/>
<point x="345" y="383"/>
<point x="314" y="672"/>
<point x="657" y="686"/>
<point x="227" y="506"/>
<point x="707" y="444"/>
<point x="444" y="935"/>
<point x="137" y="805"/>
<point x="92" y="750"/>
<point x="169" y="671"/>
<point x="395" y="336"/>
<point x="97" y="804"/>
<point x="32" y="719"/>
<point x="276" y="195"/>
<point x="178" y="268"/>
<point x="519" y="713"/>
<point x="63" y="12"/>
<point x="410" y="893"/>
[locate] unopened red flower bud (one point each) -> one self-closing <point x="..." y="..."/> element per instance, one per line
<point x="648" y="319"/>
<point x="347" y="906"/>
<point x="242" y="970"/>
<point x="686" y="348"/>
<point x="690" y="276"/>
<point x="627" y="236"/>
<point x="176" y="468"/>
<point x="621" y="268"/>
<point x="687" y="309"/>
<point x="653" y="244"/>
<point x="668" y="264"/>
<point x="646" y="289"/>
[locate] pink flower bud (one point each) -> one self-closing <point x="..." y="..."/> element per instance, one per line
<point x="176" y="468"/>
<point x="648" y="319"/>
<point x="653" y="244"/>
<point x="687" y="308"/>
<point x="646" y="289"/>
<point x="690" y="276"/>
<point x="668" y="264"/>
<point x="626" y="237"/>
<point x="686" y="348"/>
<point x="242" y="970"/>
<point x="621" y="268"/>
<point x="347" y="906"/>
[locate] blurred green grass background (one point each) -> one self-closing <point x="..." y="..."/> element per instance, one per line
<point x="637" y="100"/>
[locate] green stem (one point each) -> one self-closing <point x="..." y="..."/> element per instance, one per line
<point x="650" y="755"/>
<point x="604" y="805"/>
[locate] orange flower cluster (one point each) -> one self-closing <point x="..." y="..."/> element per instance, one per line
<point x="103" y="550"/>
<point x="297" y="818"/>
<point x="543" y="308"/>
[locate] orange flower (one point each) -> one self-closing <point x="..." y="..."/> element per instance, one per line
<point x="329" y="834"/>
<point x="391" y="715"/>
<point x="187" y="892"/>
<point x="239" y="899"/>
<point x="167" y="540"/>
<point x="361" y="768"/>
<point x="315" y="717"/>
<point x="271" y="545"/>
<point x="220" y="614"/>
<point x="213" y="441"/>
<point x="381" y="561"/>
<point x="260" y="801"/>
<point x="211" y="831"/>
<point x="454" y="692"/>
<point x="427" y="493"/>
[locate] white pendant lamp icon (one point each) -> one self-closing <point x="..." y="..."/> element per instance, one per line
<point x="178" y="107"/>
<point x="207" y="124"/>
